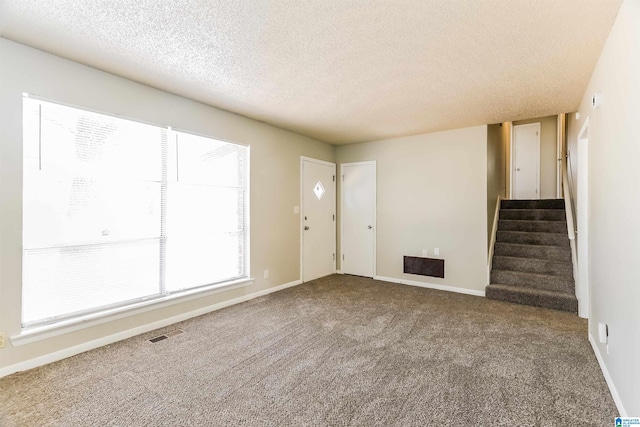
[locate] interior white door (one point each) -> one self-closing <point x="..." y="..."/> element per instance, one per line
<point x="318" y="219"/>
<point x="526" y="161"/>
<point x="358" y="217"/>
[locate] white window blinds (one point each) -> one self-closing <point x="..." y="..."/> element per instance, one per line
<point x="116" y="211"/>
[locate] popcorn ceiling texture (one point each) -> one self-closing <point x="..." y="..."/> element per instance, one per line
<point x="338" y="71"/>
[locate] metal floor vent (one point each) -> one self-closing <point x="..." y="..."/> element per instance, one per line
<point x="167" y="335"/>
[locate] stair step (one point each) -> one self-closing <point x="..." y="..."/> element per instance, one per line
<point x="532" y="265"/>
<point x="534" y="214"/>
<point x="532" y="204"/>
<point x="558" y="253"/>
<point x="536" y="238"/>
<point x="523" y="279"/>
<point x="532" y="226"/>
<point x="535" y="297"/>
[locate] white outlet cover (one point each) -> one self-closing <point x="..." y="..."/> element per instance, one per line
<point x="436" y="251"/>
<point x="602" y="333"/>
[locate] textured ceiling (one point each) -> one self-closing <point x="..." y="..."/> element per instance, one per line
<point x="340" y="71"/>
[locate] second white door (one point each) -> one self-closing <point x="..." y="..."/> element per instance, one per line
<point x="358" y="219"/>
<point x="526" y="161"/>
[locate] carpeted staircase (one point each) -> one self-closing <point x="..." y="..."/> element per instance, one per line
<point x="532" y="256"/>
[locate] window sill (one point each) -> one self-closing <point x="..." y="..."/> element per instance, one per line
<point x="38" y="333"/>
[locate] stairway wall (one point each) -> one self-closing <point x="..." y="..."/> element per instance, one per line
<point x="496" y="180"/>
<point x="614" y="228"/>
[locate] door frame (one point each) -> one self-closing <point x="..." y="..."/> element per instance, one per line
<point x="560" y="136"/>
<point x="301" y="226"/>
<point x="583" y="288"/>
<point x="375" y="209"/>
<point x="513" y="158"/>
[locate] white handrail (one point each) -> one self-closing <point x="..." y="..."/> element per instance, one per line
<point x="571" y="230"/>
<point x="494" y="232"/>
<point x="568" y="204"/>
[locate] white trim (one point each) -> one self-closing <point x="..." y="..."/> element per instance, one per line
<point x="375" y="208"/>
<point x="583" y="291"/>
<point x="559" y="141"/>
<point x="513" y="156"/>
<point x="335" y="195"/>
<point x="432" y="286"/>
<point x="38" y="333"/>
<point x="90" y="345"/>
<point x="582" y="310"/>
<point x="338" y="271"/>
<point x="494" y="233"/>
<point x="607" y="377"/>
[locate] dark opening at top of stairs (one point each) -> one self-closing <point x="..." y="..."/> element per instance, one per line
<point x="532" y="256"/>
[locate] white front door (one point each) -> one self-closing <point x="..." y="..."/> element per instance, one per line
<point x="526" y="161"/>
<point x="318" y="219"/>
<point x="358" y="217"/>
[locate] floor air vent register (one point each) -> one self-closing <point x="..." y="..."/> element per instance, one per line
<point x="166" y="335"/>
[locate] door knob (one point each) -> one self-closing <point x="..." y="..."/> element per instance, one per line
<point x="369" y="227"/>
<point x="306" y="227"/>
<point x="518" y="169"/>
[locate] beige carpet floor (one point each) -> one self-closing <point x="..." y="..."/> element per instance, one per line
<point x="338" y="351"/>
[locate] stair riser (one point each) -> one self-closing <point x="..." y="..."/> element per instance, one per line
<point x="557" y="253"/>
<point x="532" y="204"/>
<point x="525" y="238"/>
<point x="556" y="303"/>
<point x="533" y="214"/>
<point x="529" y="265"/>
<point x="547" y="283"/>
<point x="533" y="226"/>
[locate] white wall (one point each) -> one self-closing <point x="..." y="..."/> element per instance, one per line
<point x="431" y="192"/>
<point x="275" y="172"/>
<point x="614" y="203"/>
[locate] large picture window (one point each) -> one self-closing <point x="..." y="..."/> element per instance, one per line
<point x="116" y="211"/>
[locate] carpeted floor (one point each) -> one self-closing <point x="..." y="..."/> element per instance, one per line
<point x="339" y="351"/>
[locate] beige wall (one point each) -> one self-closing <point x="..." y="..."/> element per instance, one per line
<point x="614" y="201"/>
<point x="431" y="192"/>
<point x="548" y="152"/>
<point x="275" y="179"/>
<point x="495" y="173"/>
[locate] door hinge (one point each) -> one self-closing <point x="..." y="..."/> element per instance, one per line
<point x="343" y="177"/>
<point x="334" y="178"/>
<point x="334" y="257"/>
<point x="343" y="257"/>
<point x="334" y="217"/>
<point x="536" y="133"/>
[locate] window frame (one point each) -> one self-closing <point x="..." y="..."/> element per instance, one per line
<point x="53" y="326"/>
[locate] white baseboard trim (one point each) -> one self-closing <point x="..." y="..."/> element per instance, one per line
<point x="338" y="271"/>
<point x="607" y="377"/>
<point x="431" y="286"/>
<point x="119" y="336"/>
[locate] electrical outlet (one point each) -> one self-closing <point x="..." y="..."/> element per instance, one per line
<point x="266" y="274"/>
<point x="3" y="338"/>
<point x="436" y="251"/>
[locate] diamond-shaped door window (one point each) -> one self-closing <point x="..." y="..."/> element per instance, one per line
<point x="319" y="190"/>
